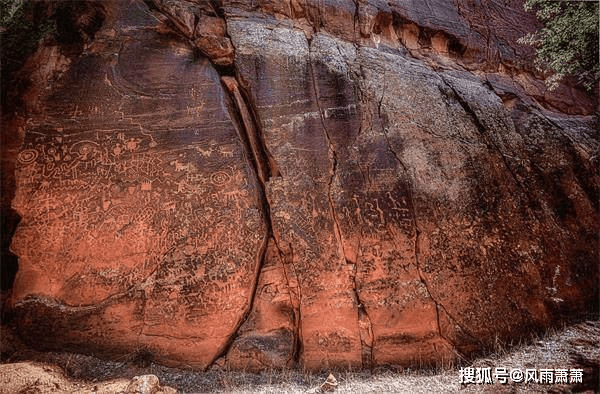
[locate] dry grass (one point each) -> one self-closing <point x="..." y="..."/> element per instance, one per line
<point x="576" y="346"/>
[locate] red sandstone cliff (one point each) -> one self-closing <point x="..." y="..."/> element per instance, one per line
<point x="322" y="183"/>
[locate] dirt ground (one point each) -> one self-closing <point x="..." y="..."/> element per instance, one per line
<point x="27" y="371"/>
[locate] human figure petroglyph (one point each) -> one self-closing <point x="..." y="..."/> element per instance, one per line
<point x="118" y="150"/>
<point x="380" y="212"/>
<point x="371" y="216"/>
<point x="87" y="150"/>
<point x="357" y="211"/>
<point x="45" y="184"/>
<point x="134" y="195"/>
<point x="132" y="144"/>
<point x="346" y="212"/>
<point x="76" y="112"/>
<point x="392" y="199"/>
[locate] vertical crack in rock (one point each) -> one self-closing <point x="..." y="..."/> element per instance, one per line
<point x="413" y="208"/>
<point x="247" y="127"/>
<point x="363" y="322"/>
<point x="249" y="131"/>
<point x="332" y="159"/>
<point x="265" y="167"/>
<point x="141" y="289"/>
<point x="438" y="305"/>
<point x="415" y="224"/>
<point x="247" y="124"/>
<point x="356" y="18"/>
<point x="295" y="301"/>
<point x="365" y="328"/>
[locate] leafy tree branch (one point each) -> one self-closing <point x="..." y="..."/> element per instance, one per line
<point x="568" y="41"/>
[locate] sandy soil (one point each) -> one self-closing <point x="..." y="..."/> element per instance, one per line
<point x="27" y="371"/>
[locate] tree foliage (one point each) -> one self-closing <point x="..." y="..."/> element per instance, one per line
<point x="568" y="41"/>
<point x="23" y="24"/>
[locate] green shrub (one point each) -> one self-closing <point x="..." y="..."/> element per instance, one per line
<point x="568" y="41"/>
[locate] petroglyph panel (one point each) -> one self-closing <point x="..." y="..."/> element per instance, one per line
<point x="134" y="181"/>
<point x="343" y="209"/>
<point x="295" y="132"/>
<point x="125" y="188"/>
<point x="412" y="207"/>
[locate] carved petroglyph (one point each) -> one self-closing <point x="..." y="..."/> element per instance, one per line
<point x="333" y="342"/>
<point x="220" y="178"/>
<point x="27" y="156"/>
<point x="226" y="151"/>
<point x="204" y="152"/>
<point x="126" y="191"/>
<point x="375" y="212"/>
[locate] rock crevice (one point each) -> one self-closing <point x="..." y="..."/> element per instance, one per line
<point x="417" y="232"/>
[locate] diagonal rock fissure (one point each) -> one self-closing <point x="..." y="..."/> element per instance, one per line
<point x="249" y="131"/>
<point x="579" y="145"/>
<point x="91" y="308"/>
<point x="492" y="145"/>
<point x="55" y="304"/>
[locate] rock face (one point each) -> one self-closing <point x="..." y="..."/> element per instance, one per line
<point x="314" y="183"/>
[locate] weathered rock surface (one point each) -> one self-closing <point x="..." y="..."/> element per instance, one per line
<point x="260" y="185"/>
<point x="131" y="181"/>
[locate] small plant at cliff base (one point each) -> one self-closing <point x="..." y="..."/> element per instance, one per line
<point x="568" y="41"/>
